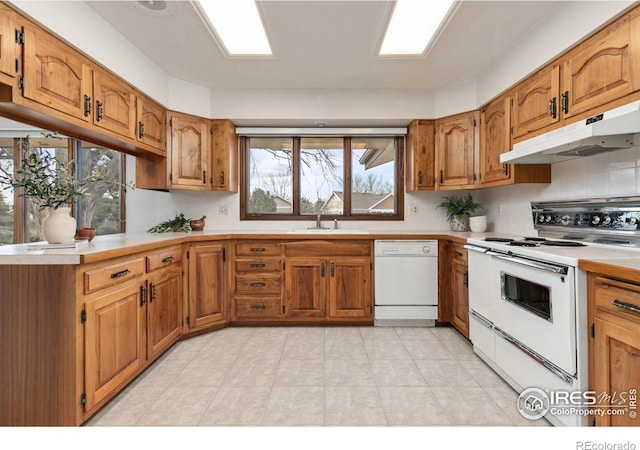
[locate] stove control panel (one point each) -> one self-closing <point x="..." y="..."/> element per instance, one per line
<point x="615" y="220"/>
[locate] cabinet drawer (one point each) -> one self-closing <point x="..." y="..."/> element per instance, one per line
<point x="258" y="265"/>
<point x="113" y="274"/>
<point x="164" y="258"/>
<point x="458" y="253"/>
<point x="258" y="308"/>
<point x="258" y="248"/>
<point x="263" y="284"/>
<point x="617" y="297"/>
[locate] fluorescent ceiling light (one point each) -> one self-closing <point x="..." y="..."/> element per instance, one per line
<point x="237" y="25"/>
<point x="413" y="25"/>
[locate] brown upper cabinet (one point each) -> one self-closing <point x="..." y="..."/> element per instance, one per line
<point x="189" y="152"/>
<point x="151" y="123"/>
<point x="599" y="70"/>
<point x="9" y="64"/>
<point x="203" y="154"/>
<point x="420" y="156"/>
<point x="495" y="138"/>
<point x="55" y="75"/>
<point x="114" y="103"/>
<point x="456" y="143"/>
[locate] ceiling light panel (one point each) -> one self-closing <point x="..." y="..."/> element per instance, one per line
<point x="237" y="26"/>
<point x="413" y="25"/>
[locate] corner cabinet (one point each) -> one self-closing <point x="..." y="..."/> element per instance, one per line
<point x="207" y="286"/>
<point x="456" y="143"/>
<point x="420" y="156"/>
<point x="495" y="138"/>
<point x="614" y="356"/>
<point x="188" y="157"/>
<point x="224" y="156"/>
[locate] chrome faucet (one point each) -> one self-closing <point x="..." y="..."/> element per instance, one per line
<point x="318" y="224"/>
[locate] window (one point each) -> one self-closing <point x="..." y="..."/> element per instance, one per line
<point x="102" y="207"/>
<point x="344" y="177"/>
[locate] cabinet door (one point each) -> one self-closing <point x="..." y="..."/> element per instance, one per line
<point x="207" y="287"/>
<point x="495" y="138"/>
<point x="114" y="333"/>
<point x="151" y="123"/>
<point x="536" y="101"/>
<point x="420" y="167"/>
<point x="7" y="43"/>
<point x="603" y="68"/>
<point x="114" y="104"/>
<point x="460" y="298"/>
<point x="617" y="366"/>
<point x="224" y="156"/>
<point x="305" y="288"/>
<point x="350" y="287"/>
<point x="164" y="311"/>
<point x="455" y="148"/>
<point x="55" y="75"/>
<point x="189" y="152"/>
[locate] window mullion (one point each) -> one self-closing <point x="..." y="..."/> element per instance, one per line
<point x="295" y="168"/>
<point x="346" y="211"/>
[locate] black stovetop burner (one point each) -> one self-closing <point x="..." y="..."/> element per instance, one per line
<point x="534" y="242"/>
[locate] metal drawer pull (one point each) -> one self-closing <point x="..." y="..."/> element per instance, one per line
<point x="122" y="273"/>
<point x="258" y="307"/>
<point x="167" y="259"/>
<point x="626" y="305"/>
<point x="258" y="249"/>
<point x="557" y="371"/>
<point x="459" y="255"/>
<point x="258" y="284"/>
<point x="258" y="265"/>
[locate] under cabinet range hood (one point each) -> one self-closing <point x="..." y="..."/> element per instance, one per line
<point x="611" y="130"/>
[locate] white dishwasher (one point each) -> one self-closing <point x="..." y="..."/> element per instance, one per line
<point x="406" y="282"/>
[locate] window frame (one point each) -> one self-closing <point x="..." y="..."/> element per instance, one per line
<point x="347" y="173"/>
<point x="20" y="203"/>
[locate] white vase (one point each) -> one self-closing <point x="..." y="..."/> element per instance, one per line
<point x="58" y="226"/>
<point x="478" y="224"/>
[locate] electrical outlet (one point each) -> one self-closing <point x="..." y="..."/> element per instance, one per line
<point x="499" y="210"/>
<point x="414" y="210"/>
<point x="223" y="210"/>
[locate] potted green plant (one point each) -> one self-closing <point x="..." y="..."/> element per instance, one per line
<point x="458" y="210"/>
<point x="51" y="184"/>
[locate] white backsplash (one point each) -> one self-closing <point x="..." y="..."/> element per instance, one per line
<point x="611" y="174"/>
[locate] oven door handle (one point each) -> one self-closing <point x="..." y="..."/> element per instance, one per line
<point x="562" y="270"/>
<point x="557" y="371"/>
<point x="481" y="320"/>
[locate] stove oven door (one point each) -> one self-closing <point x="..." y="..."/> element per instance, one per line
<point x="537" y="308"/>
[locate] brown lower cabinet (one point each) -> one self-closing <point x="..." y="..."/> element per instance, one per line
<point x="453" y="286"/>
<point x="614" y="372"/>
<point x="207" y="285"/>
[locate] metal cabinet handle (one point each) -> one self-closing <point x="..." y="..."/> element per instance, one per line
<point x="257" y="307"/>
<point x="564" y="102"/>
<point x="322" y="270"/>
<point x="87" y="106"/>
<point x="553" y="107"/>
<point x="204" y="177"/>
<point x="441" y="176"/>
<point x="140" y="130"/>
<point x="465" y="279"/>
<point x="143" y="295"/>
<point x="258" y="265"/>
<point x="121" y="273"/>
<point x="333" y="270"/>
<point x="168" y="259"/>
<point x="626" y="305"/>
<point x="222" y="178"/>
<point x="420" y="177"/>
<point x="258" y="249"/>
<point x="99" y="110"/>
<point x="152" y="289"/>
<point x="258" y="284"/>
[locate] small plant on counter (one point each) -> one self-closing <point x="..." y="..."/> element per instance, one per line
<point x="178" y="223"/>
<point x="458" y="210"/>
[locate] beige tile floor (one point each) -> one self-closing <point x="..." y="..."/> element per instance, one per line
<point x="313" y="376"/>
